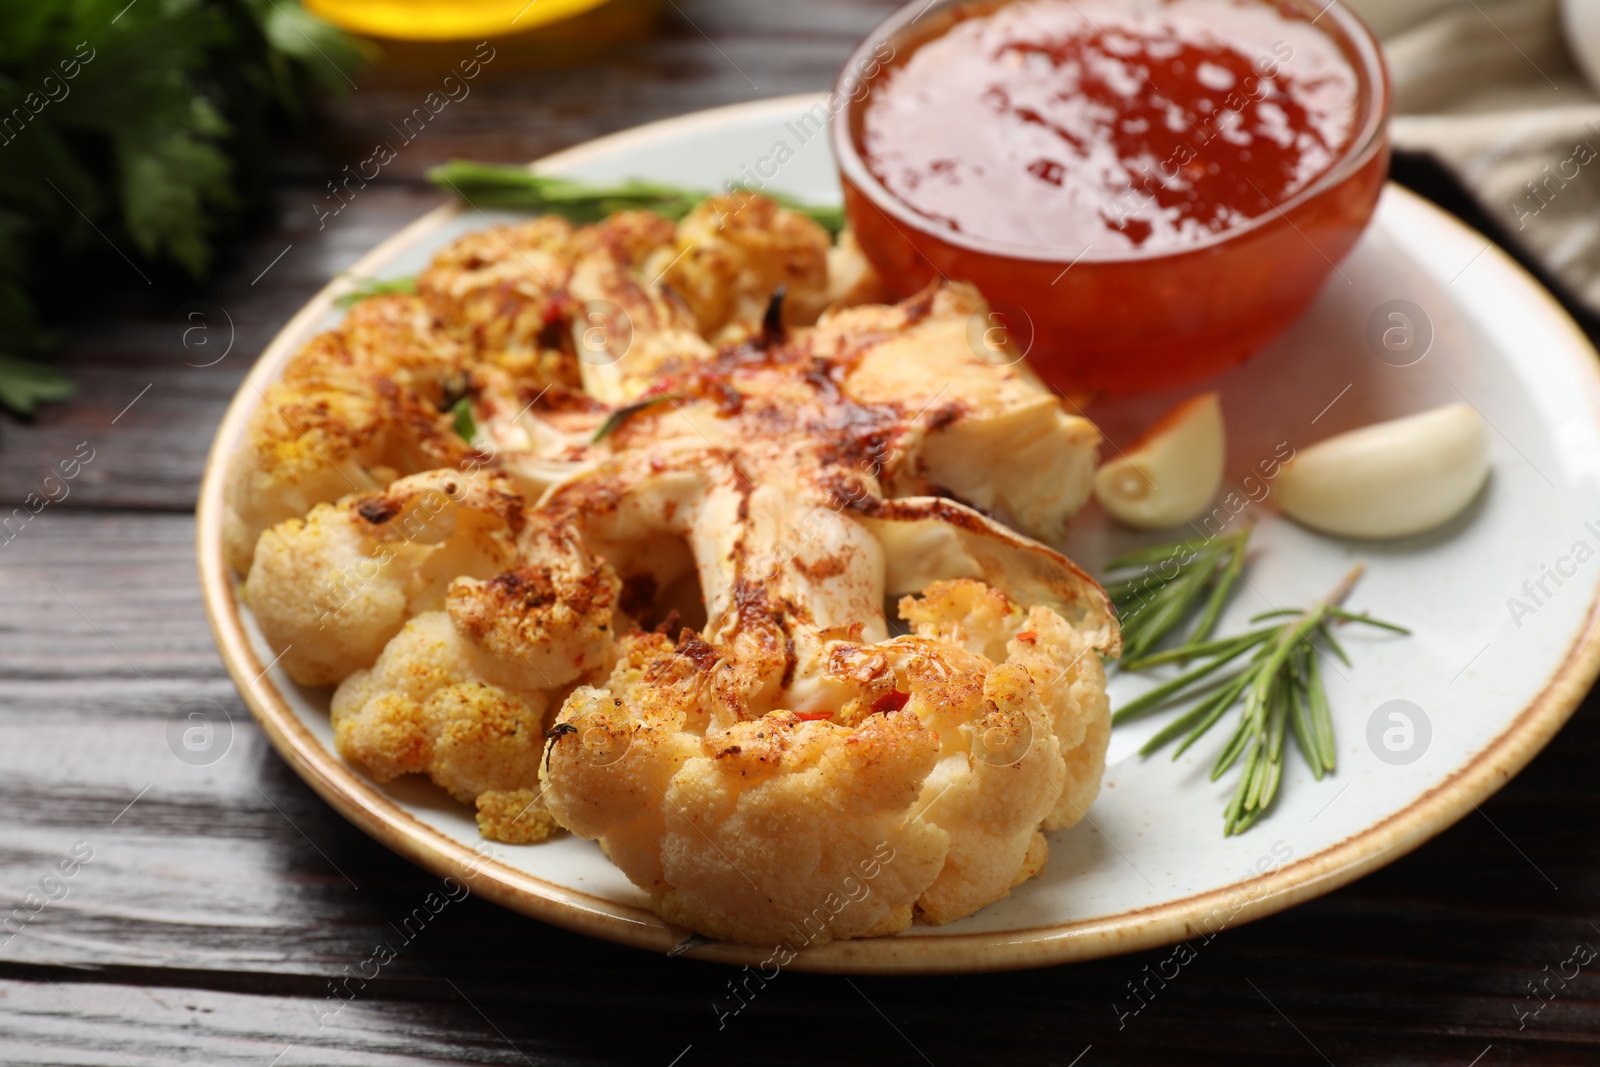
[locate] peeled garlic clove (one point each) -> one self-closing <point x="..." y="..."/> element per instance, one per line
<point x="1392" y="479"/>
<point x="1172" y="474"/>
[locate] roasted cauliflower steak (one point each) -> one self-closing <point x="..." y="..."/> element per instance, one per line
<point x="482" y="513"/>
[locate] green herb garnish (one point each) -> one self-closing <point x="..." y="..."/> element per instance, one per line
<point x="465" y="425"/>
<point x="1170" y="583"/>
<point x="495" y="185"/>
<point x="368" y="287"/>
<point x="25" y="385"/>
<point x="1280" y="685"/>
<point x="615" y="420"/>
<point x="138" y="134"/>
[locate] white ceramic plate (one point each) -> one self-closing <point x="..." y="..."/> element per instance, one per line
<point x="1486" y="685"/>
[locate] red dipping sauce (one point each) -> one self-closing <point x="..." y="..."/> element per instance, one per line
<point x="1105" y="125"/>
<point x="1127" y="176"/>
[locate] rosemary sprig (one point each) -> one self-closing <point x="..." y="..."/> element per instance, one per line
<point x="1171" y="581"/>
<point x="1279" y="690"/>
<point x="494" y="185"/>
<point x="367" y="287"/>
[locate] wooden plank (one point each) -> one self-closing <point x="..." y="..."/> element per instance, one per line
<point x="655" y="1011"/>
<point x="104" y="597"/>
<point x="59" y="1021"/>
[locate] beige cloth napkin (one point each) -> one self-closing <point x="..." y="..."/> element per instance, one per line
<point x="1492" y="90"/>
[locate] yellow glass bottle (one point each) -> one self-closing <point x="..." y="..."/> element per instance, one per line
<point x="443" y="20"/>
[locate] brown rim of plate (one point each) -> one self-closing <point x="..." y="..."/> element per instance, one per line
<point x="359" y="800"/>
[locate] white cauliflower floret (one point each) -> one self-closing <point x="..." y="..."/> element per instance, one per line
<point x="998" y="775"/>
<point x="1062" y="661"/>
<point x="937" y="775"/>
<point x="356" y="408"/>
<point x="852" y="279"/>
<point x="550" y="618"/>
<point x="433" y="705"/>
<point x="1071" y="680"/>
<point x="308" y="572"/>
<point x="742" y="832"/>
<point x="329" y="590"/>
<point x="992" y="436"/>
<point x="770" y="825"/>
<point x="616" y="749"/>
<point x="732" y="253"/>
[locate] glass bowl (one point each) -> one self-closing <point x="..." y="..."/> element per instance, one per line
<point x="1122" y="321"/>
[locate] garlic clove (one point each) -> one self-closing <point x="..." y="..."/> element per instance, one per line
<point x="1391" y="479"/>
<point x="1171" y="475"/>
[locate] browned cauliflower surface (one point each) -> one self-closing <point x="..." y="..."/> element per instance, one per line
<point x="644" y="599"/>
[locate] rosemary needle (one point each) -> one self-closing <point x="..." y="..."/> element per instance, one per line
<point x="1173" y="581"/>
<point x="1190" y="650"/>
<point x="1224" y="587"/>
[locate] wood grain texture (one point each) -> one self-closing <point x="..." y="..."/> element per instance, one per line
<point x="220" y="901"/>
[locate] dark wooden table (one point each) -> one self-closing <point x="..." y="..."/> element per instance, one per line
<point x="209" y="907"/>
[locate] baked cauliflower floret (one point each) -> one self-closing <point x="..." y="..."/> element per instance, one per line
<point x="480" y="510"/>
<point x="732" y="252"/>
<point x="937" y="775"/>
<point x="1064" y="665"/>
<point x="631" y="740"/>
<point x="431" y="705"/>
<point x="772" y="820"/>
<point x="550" y="618"/>
<point x="988" y="433"/>
<point x="501" y="294"/>
<point x="998" y="774"/>
<point x="738" y="832"/>
<point x="330" y="590"/>
<point x="356" y="408"/>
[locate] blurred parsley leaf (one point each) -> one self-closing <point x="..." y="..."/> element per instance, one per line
<point x="147" y="125"/>
<point x="24" y="385"/>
